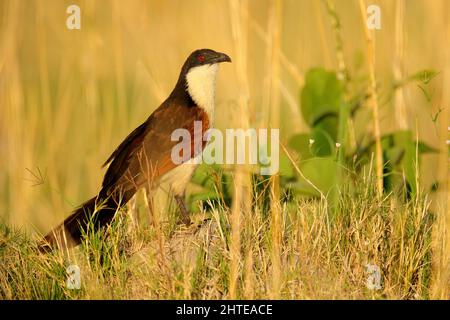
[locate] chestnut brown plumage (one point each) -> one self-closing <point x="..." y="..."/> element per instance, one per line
<point x="144" y="157"/>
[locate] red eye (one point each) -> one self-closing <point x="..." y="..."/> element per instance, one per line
<point x="200" y="58"/>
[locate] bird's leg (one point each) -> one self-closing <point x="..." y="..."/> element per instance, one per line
<point x="183" y="210"/>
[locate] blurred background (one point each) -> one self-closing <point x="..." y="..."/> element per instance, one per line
<point x="69" y="97"/>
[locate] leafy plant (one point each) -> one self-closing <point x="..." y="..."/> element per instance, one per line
<point x="325" y="154"/>
<point x="213" y="184"/>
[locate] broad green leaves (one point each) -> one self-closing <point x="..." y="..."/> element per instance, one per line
<point x="321" y="100"/>
<point x="321" y="96"/>
<point x="401" y="154"/>
<point x="327" y="113"/>
<point x="320" y="174"/>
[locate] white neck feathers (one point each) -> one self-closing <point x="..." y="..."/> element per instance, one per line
<point x="201" y="86"/>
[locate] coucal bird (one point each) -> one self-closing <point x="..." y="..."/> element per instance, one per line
<point x="144" y="157"/>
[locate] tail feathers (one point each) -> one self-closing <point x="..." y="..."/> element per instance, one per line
<point x="69" y="233"/>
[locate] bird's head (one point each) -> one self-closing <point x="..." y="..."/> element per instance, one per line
<point x="204" y="57"/>
<point x="198" y="75"/>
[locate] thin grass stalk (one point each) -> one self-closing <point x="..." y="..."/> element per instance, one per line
<point x="323" y="38"/>
<point x="345" y="121"/>
<point x="336" y="25"/>
<point x="398" y="65"/>
<point x="373" y="100"/>
<point x="241" y="196"/>
<point x="440" y="288"/>
<point x="288" y="65"/>
<point x="274" y="30"/>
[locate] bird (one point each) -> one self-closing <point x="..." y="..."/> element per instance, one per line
<point x="144" y="158"/>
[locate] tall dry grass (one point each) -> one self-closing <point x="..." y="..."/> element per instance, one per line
<point x="373" y="96"/>
<point x="321" y="257"/>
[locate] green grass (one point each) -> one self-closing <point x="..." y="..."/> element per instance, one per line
<point x="323" y="254"/>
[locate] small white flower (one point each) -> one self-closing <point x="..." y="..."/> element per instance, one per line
<point x="311" y="141"/>
<point x="338" y="144"/>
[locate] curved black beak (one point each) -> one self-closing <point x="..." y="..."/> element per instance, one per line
<point x="219" y="57"/>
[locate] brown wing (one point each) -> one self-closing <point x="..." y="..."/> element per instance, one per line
<point x="146" y="153"/>
<point x="120" y="158"/>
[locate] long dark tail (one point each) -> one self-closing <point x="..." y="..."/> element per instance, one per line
<point x="95" y="212"/>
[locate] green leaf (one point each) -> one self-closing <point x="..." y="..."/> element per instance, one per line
<point x="321" y="95"/>
<point x="323" y="143"/>
<point x="403" y="139"/>
<point x="300" y="143"/>
<point x="425" y="148"/>
<point x="394" y="155"/>
<point x="214" y="183"/>
<point x="203" y="176"/>
<point x="317" y="144"/>
<point x="399" y="150"/>
<point x="286" y="169"/>
<point x="424" y="76"/>
<point x="330" y="125"/>
<point x="204" y="196"/>
<point x="321" y="172"/>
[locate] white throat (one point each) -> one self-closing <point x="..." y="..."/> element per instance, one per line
<point x="201" y="85"/>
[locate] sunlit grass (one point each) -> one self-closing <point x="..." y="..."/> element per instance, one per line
<point x="323" y="254"/>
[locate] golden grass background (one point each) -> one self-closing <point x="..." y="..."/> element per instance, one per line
<point x="69" y="97"/>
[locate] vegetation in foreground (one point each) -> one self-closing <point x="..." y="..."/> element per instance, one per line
<point x="324" y="253"/>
